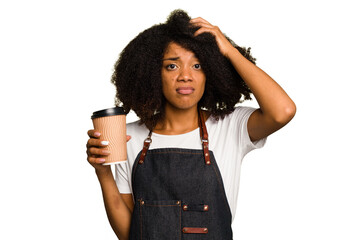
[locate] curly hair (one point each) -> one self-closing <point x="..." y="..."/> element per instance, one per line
<point x="137" y="72"/>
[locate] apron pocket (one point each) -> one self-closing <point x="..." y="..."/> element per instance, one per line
<point x="160" y="219"/>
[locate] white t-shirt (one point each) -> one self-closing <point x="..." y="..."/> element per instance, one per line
<point x="228" y="140"/>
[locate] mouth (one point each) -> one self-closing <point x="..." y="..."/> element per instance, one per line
<point x="185" y="90"/>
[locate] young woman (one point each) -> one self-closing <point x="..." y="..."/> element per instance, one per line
<point x="183" y="79"/>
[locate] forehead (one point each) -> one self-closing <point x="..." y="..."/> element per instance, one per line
<point x="178" y="50"/>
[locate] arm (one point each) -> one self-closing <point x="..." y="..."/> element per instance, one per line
<point x="276" y="107"/>
<point x="118" y="206"/>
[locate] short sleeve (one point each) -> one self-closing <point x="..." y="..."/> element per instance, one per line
<point x="248" y="144"/>
<point x="122" y="178"/>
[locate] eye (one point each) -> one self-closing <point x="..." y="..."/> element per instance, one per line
<point x="171" y="66"/>
<point x="197" y="66"/>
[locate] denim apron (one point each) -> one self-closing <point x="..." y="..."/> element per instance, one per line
<point x="179" y="194"/>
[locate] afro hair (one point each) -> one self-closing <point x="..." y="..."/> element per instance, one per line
<point x="137" y="72"/>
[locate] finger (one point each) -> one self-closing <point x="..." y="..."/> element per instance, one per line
<point x="199" y="19"/>
<point x="205" y="29"/>
<point x="201" y="24"/>
<point x="92" y="142"/>
<point x="97" y="143"/>
<point x="93" y="133"/>
<point x="98" y="151"/>
<point x="95" y="160"/>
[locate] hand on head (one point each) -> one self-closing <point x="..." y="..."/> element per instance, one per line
<point x="224" y="45"/>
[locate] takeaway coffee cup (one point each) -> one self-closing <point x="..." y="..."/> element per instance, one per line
<point x="111" y="123"/>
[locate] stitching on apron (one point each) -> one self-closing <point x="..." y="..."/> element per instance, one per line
<point x="180" y="208"/>
<point x="140" y="222"/>
<point x="152" y="205"/>
<point x="153" y="153"/>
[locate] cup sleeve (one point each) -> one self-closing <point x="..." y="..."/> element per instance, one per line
<point x="122" y="178"/>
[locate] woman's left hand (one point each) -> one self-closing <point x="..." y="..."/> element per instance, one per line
<point x="224" y="45"/>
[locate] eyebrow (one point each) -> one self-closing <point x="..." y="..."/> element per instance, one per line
<point x="172" y="59"/>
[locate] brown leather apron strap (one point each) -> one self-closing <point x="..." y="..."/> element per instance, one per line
<point x="146" y="146"/>
<point x="204" y="138"/>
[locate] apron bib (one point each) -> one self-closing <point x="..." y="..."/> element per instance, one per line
<point x="179" y="194"/>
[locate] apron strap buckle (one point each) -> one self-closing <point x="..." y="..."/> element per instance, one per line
<point x="146" y="146"/>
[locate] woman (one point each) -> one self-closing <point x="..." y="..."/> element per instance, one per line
<point x="183" y="79"/>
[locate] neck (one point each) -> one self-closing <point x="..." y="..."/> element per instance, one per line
<point x="178" y="121"/>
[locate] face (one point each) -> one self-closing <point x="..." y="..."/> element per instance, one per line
<point x="183" y="79"/>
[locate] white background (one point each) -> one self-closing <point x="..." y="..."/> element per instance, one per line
<point x="56" y="59"/>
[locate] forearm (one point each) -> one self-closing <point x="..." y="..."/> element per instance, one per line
<point x="273" y="101"/>
<point x="118" y="213"/>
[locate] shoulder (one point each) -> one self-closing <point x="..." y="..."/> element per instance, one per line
<point x="240" y="114"/>
<point x="136" y="127"/>
<point x="230" y="134"/>
<point x="232" y="128"/>
<point x="242" y="111"/>
<point x="137" y="131"/>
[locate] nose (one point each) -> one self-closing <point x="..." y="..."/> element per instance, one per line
<point x="185" y="75"/>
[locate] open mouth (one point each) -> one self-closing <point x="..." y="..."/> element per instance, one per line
<point x="185" y="90"/>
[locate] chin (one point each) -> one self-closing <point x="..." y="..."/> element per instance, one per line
<point x="183" y="106"/>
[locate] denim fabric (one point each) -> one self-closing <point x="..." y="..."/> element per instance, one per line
<point x="170" y="178"/>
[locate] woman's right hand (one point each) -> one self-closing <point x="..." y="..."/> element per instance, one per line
<point x="95" y="149"/>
